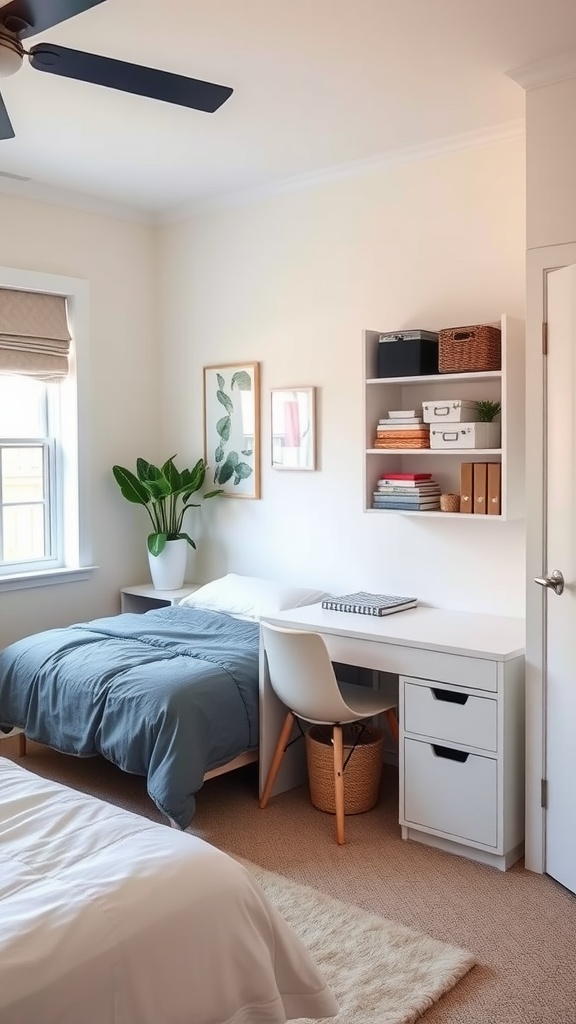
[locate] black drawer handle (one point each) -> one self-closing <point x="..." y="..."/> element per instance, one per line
<point x="449" y="754"/>
<point x="450" y="696"/>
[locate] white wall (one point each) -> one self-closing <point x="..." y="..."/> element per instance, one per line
<point x="292" y="281"/>
<point x="550" y="162"/>
<point x="117" y="259"/>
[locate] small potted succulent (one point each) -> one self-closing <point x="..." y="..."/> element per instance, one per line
<point x="487" y="411"/>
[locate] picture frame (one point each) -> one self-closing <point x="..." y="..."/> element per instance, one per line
<point x="293" y="428"/>
<point x="232" y="428"/>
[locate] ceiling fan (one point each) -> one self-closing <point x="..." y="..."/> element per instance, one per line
<point x="20" y="19"/>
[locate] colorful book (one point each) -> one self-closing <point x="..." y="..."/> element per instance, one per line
<point x="412" y="485"/>
<point x="400" y="419"/>
<point x="407" y="507"/>
<point x="404" y="499"/>
<point x="408" y="494"/>
<point x="401" y="413"/>
<point x="398" y="425"/>
<point x="414" y="489"/>
<point x="403" y="502"/>
<point x="407" y="476"/>
<point x="364" y="603"/>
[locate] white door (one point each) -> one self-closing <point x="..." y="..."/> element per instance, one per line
<point x="560" y="609"/>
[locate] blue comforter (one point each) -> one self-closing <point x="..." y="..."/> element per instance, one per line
<point x="169" y="694"/>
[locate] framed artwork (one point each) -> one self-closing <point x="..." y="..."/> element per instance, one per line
<point x="293" y="420"/>
<point x="232" y="428"/>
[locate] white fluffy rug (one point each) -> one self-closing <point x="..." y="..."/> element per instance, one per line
<point x="380" y="972"/>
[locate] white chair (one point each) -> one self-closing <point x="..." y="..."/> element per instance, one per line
<point x="303" y="677"/>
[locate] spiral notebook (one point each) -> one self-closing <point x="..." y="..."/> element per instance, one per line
<point x="369" y="604"/>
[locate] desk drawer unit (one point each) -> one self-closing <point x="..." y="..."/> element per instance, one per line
<point x="451" y="715"/>
<point x="461" y="777"/>
<point x="451" y="791"/>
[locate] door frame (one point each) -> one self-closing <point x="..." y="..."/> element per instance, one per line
<point x="539" y="262"/>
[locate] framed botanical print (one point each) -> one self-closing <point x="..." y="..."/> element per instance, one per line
<point x="232" y="428"/>
<point x="293" y="419"/>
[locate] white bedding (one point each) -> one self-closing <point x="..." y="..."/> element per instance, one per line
<point x="107" y="918"/>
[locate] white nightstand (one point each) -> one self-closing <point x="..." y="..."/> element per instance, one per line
<point x="144" y="597"/>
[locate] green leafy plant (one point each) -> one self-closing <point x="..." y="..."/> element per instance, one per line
<point x="487" y="411"/>
<point x="165" y="493"/>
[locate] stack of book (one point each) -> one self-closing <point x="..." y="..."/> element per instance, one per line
<point x="407" y="492"/>
<point x="402" y="428"/>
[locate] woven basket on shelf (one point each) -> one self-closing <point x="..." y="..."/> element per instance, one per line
<point x="469" y="349"/>
<point x="449" y="502"/>
<point x="403" y="439"/>
<point x="361" y="773"/>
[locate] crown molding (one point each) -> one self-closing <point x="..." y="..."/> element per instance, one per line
<point x="424" y="151"/>
<point x="545" y="72"/>
<point x="36" y="191"/>
<point x="33" y="191"/>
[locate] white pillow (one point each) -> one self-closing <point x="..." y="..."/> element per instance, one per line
<point x="250" y="596"/>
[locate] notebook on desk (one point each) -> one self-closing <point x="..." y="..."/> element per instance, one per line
<point x="369" y="604"/>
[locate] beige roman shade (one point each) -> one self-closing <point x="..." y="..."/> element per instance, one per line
<point x="34" y="335"/>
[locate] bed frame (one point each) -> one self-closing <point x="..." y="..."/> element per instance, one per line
<point x="249" y="757"/>
<point x="237" y="762"/>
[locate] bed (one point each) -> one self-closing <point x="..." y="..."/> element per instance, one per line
<point x="108" y="918"/>
<point x="171" y="695"/>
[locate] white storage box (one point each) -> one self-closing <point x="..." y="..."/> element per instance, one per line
<point x="465" y="435"/>
<point x="451" y="410"/>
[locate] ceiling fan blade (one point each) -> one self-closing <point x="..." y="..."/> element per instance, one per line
<point x="28" y="17"/>
<point x="6" y="129"/>
<point x="116" y="74"/>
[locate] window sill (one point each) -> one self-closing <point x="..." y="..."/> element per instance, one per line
<point x="47" y="577"/>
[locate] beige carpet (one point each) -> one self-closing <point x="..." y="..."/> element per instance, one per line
<point x="379" y="971"/>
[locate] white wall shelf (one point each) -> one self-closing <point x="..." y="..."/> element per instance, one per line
<point x="505" y="385"/>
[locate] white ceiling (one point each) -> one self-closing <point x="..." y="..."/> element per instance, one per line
<point x="317" y="84"/>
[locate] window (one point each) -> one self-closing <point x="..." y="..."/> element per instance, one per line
<point x="43" y="499"/>
<point x="29" y="499"/>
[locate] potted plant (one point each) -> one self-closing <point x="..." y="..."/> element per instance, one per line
<point x="487" y="411"/>
<point x="165" y="493"/>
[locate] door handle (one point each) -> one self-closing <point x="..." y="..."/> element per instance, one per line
<point x="555" y="581"/>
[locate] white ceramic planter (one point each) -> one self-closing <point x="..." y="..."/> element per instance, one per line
<point x="168" y="569"/>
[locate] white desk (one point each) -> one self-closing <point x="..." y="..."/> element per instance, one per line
<point x="461" y="704"/>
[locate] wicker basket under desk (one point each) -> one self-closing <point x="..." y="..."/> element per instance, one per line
<point x="363" y="759"/>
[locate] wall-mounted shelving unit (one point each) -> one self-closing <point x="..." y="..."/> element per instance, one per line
<point x="505" y="385"/>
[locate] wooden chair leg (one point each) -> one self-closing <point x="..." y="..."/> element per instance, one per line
<point x="392" y="723"/>
<point x="277" y="758"/>
<point x="21" y="744"/>
<point x="339" y="782"/>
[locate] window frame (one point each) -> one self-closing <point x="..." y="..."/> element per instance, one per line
<point x="70" y="472"/>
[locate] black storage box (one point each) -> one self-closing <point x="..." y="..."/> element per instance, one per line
<point x="407" y="353"/>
